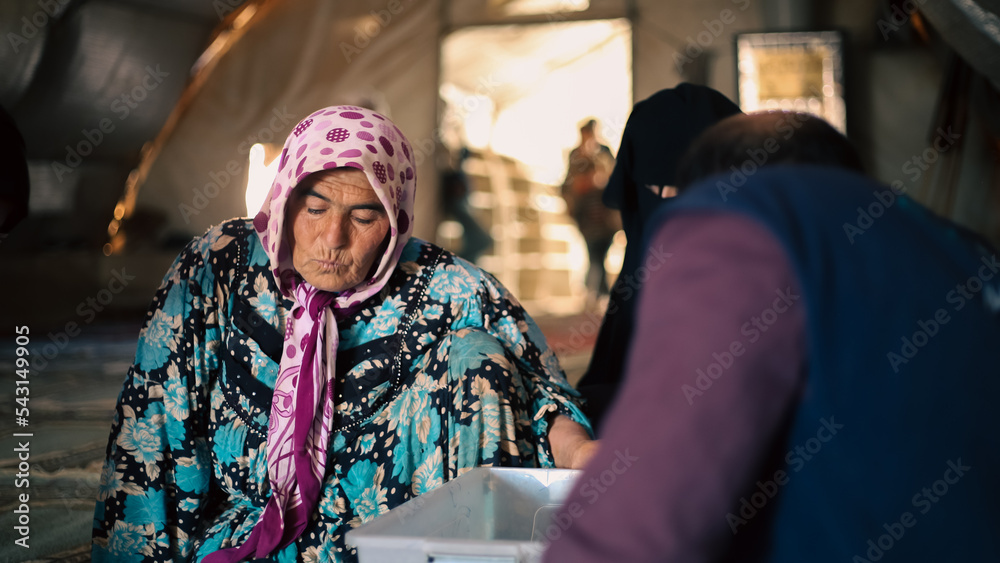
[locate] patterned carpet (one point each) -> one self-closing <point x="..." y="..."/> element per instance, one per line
<point x="72" y="392"/>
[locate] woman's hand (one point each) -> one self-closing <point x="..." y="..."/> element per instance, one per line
<point x="572" y="447"/>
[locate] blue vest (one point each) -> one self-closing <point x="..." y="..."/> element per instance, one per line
<point x="893" y="451"/>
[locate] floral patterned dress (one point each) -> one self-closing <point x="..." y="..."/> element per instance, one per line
<point x="441" y="372"/>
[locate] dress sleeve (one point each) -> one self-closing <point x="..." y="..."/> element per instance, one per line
<point x="716" y="364"/>
<point x="549" y="393"/>
<point x="157" y="470"/>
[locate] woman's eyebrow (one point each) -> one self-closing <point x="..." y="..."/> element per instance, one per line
<point x="375" y="206"/>
<point x="314" y="193"/>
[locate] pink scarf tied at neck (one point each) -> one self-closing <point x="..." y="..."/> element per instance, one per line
<point x="302" y="408"/>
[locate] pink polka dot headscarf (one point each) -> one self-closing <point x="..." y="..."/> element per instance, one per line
<point x="334" y="137"/>
<point x="302" y="408"/>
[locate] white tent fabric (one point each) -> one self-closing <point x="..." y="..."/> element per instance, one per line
<point x="294" y="57"/>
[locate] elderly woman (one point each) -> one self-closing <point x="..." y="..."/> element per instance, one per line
<point x="305" y="372"/>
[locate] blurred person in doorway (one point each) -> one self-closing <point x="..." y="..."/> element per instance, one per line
<point x="820" y="359"/>
<point x="590" y="165"/>
<point x="302" y="372"/>
<point x="656" y="135"/>
<point x="455" y="191"/>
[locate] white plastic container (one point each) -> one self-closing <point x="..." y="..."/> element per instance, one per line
<point x="488" y="515"/>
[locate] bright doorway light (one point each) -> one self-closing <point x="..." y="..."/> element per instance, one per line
<point x="260" y="176"/>
<point x="529" y="7"/>
<point x="535" y="84"/>
<point x="515" y="96"/>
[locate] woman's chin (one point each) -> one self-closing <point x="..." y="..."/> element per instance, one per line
<point x="330" y="281"/>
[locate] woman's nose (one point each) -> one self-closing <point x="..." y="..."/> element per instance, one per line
<point x="335" y="233"/>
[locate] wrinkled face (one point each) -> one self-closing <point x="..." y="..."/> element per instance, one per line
<point x="336" y="226"/>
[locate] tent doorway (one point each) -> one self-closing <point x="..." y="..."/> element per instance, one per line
<point x="512" y="98"/>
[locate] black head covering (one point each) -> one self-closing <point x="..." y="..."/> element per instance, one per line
<point x="656" y="135"/>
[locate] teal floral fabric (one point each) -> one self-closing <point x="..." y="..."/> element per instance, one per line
<point x="441" y="372"/>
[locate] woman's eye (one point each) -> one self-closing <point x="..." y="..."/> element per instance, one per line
<point x="365" y="217"/>
<point x="314" y="211"/>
